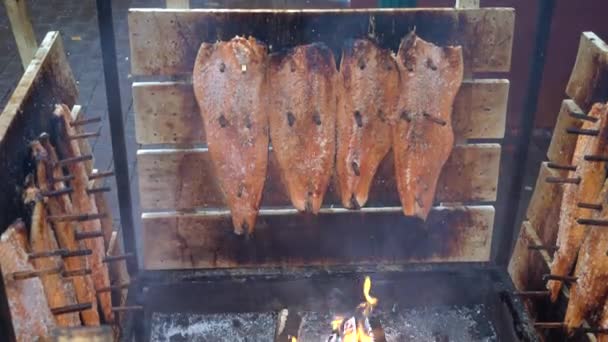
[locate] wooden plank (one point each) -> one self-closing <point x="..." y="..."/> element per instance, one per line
<point x="335" y="236"/>
<point x="23" y="31"/>
<point x="167" y="113"/>
<point x="562" y="144"/>
<point x="165" y="42"/>
<point x="47" y="80"/>
<point x="178" y="3"/>
<point x="184" y="179"/>
<point x="544" y="207"/>
<point x="589" y="79"/>
<point x="527" y="266"/>
<point x="467" y="4"/>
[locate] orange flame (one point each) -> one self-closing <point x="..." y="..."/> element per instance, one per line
<point x="358" y="334"/>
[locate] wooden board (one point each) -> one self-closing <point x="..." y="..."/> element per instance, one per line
<point x="544" y="206"/>
<point x="165" y="42"/>
<point x="47" y="80"/>
<point x="23" y="31"/>
<point x="184" y="179"/>
<point x="562" y="144"/>
<point x="589" y="79"/>
<point x="527" y="266"/>
<point x="167" y="113"/>
<point x="335" y="236"/>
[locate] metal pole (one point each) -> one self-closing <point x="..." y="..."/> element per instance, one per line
<point x="526" y="120"/>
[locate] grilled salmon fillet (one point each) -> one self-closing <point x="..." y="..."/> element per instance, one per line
<point x="46" y="175"/>
<point x="368" y="101"/>
<point x="58" y="290"/>
<point x="422" y="136"/>
<point x="84" y="203"/>
<point x="230" y="86"/>
<point x="31" y="317"/>
<point x="591" y="287"/>
<point x="570" y="234"/>
<point x="303" y="106"/>
<point x="603" y="323"/>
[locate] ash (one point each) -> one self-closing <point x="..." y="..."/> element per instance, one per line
<point x="438" y="324"/>
<point x="431" y="324"/>
<point x="229" y="327"/>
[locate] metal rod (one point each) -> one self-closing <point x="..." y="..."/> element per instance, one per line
<point x="117" y="131"/>
<point x="561" y="167"/>
<point x="113" y="258"/>
<point x="63" y="179"/>
<point x="85" y="135"/>
<point x="566" y="279"/>
<point x="592" y="222"/>
<point x="562" y="180"/>
<point x="113" y="287"/>
<point x="543" y="247"/>
<point x="582" y="116"/>
<point x="71" y="308"/>
<point x="98" y="190"/>
<point x="550" y="325"/>
<point x="127" y="308"/>
<point x="85" y="121"/>
<point x="596" y="158"/>
<point x="593" y="206"/>
<point x="37" y="273"/>
<point x="88" y="235"/>
<point x="57" y="252"/>
<point x="55" y="193"/>
<point x="77" y="253"/>
<point x="103" y="174"/>
<point x="77" y="273"/>
<point x="77" y="217"/>
<point x="582" y="131"/>
<point x="532" y="293"/>
<point x="73" y="160"/>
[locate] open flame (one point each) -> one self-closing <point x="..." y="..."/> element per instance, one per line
<point x="356" y="328"/>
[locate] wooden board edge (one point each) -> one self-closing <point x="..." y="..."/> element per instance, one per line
<point x="51" y="41"/>
<point x="481" y="184"/>
<point x="501" y="22"/>
<point x="167" y="113"/>
<point x="562" y="144"/>
<point x="183" y="230"/>
<point x="589" y="78"/>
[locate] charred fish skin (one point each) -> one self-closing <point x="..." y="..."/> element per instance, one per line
<point x="570" y="234"/>
<point x="422" y="135"/>
<point x="230" y="87"/>
<point x="302" y="112"/>
<point x="367" y="107"/>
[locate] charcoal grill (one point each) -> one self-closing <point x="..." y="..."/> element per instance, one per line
<point x="442" y="280"/>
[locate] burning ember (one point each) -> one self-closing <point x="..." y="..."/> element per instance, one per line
<point x="357" y="327"/>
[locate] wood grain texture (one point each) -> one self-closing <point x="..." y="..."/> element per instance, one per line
<point x="47" y="80"/>
<point x="562" y="144"/>
<point x="335" y="236"/>
<point x="165" y="42"/>
<point x="588" y="82"/>
<point x="166" y="112"/>
<point x="23" y="31"/>
<point x="183" y="179"/>
<point x="527" y="266"/>
<point x="544" y="206"/>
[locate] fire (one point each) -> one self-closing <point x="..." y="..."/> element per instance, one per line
<point x="356" y="328"/>
<point x="293" y="339"/>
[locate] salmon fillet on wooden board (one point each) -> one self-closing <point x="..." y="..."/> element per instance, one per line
<point x="304" y="87"/>
<point x="422" y="135"/>
<point x="59" y="291"/>
<point x="30" y="314"/>
<point x="64" y="231"/>
<point x="591" y="287"/>
<point x="570" y="234"/>
<point x="367" y="105"/>
<point x="230" y="87"/>
<point x="84" y="203"/>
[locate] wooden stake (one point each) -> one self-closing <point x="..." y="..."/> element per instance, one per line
<point x="71" y="308"/>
